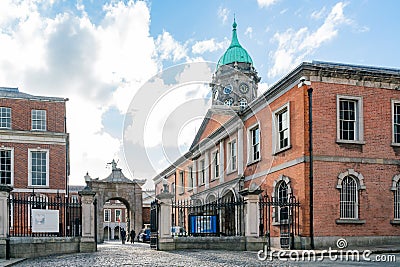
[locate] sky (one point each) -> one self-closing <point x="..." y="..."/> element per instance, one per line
<point x="116" y="59"/>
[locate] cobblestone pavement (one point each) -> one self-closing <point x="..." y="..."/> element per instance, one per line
<point x="116" y="254"/>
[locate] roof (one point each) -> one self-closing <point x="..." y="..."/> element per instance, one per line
<point x="9" y="92"/>
<point x="117" y="176"/>
<point x="235" y="52"/>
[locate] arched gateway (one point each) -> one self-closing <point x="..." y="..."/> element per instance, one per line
<point x="118" y="187"/>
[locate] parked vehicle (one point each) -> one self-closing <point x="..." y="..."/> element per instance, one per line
<point x="144" y="235"/>
<point x="178" y="231"/>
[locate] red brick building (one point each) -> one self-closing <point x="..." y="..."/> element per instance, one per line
<point x="33" y="142"/>
<point x="351" y="189"/>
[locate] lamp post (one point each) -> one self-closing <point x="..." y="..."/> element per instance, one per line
<point x="304" y="81"/>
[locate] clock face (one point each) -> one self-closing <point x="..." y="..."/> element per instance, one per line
<point x="228" y="102"/>
<point x="228" y="89"/>
<point x="244" y="88"/>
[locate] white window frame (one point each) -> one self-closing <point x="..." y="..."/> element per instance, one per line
<point x="116" y="217"/>
<point x="232" y="158"/>
<point x="396" y="197"/>
<point x="215" y="171"/>
<point x="275" y="130"/>
<point x="359" y="127"/>
<point x="355" y="201"/>
<point x="190" y="177"/>
<point x="12" y="162"/>
<point x="394" y="103"/>
<point x="6" y="118"/>
<point x="250" y="145"/>
<point x="43" y="124"/>
<point x="202" y="172"/>
<point x="107" y="211"/>
<point x="30" y="166"/>
<point x="182" y="182"/>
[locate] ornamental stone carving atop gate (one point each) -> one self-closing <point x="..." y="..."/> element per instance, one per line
<point x="118" y="187"/>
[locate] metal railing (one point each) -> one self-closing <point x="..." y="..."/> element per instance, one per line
<point x="23" y="206"/>
<point x="223" y="217"/>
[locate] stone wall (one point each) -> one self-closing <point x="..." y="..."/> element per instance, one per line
<point x="32" y="247"/>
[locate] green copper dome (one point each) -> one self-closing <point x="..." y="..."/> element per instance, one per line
<point x="235" y="52"/>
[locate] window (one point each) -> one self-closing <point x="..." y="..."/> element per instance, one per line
<point x="232" y="155"/>
<point x="6" y="167"/>
<point x="182" y="182"/>
<point x="118" y="217"/>
<point x="202" y="172"/>
<point x="38" y="167"/>
<point x="282" y="128"/>
<point x="350" y="123"/>
<point x="243" y="103"/>
<point x="254" y="153"/>
<point x="282" y="194"/>
<point x="5" y="118"/>
<point x="107" y="215"/>
<point x="190" y="173"/>
<point x="396" y="121"/>
<point x="349" y="198"/>
<point x="216" y="164"/>
<point x="39" y="120"/>
<point x="397" y="201"/>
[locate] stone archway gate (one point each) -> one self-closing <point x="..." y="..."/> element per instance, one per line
<point x="118" y="186"/>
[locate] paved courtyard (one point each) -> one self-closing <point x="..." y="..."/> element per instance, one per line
<point x="138" y="254"/>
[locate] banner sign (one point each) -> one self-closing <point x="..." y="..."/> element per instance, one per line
<point x="203" y="224"/>
<point x="45" y="221"/>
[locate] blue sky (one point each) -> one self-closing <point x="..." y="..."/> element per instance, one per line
<point x="100" y="53"/>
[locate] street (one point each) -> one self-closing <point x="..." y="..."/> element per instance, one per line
<point x="139" y="254"/>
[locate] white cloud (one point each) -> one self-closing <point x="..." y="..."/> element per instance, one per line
<point x="295" y="45"/>
<point x="318" y="14"/>
<point x="249" y="32"/>
<point x="210" y="45"/>
<point x="223" y="14"/>
<point x="97" y="66"/>
<point x="169" y="48"/>
<point x="266" y="3"/>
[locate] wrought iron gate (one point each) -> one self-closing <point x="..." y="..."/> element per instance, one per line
<point x="154" y="224"/>
<point x="285" y="212"/>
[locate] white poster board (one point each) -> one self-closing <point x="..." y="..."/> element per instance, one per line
<point x="44" y="221"/>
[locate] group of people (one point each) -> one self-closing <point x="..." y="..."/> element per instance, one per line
<point x="131" y="236"/>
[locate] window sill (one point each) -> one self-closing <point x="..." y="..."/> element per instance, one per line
<point x="190" y="189"/>
<point x="181" y="193"/>
<point x="231" y="171"/>
<point x="350" y="221"/>
<point x="38" y="186"/>
<point x="282" y="150"/>
<point x="253" y="162"/>
<point x="395" y="144"/>
<point x="351" y="142"/>
<point x="395" y="222"/>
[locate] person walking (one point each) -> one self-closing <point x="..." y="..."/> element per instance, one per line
<point x="123" y="235"/>
<point x="132" y="235"/>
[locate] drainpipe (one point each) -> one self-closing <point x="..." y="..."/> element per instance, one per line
<point x="310" y="146"/>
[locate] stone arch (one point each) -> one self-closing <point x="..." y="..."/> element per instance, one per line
<point x="211" y="198"/>
<point x="118" y="187"/>
<point x="350" y="172"/>
<point x="282" y="178"/>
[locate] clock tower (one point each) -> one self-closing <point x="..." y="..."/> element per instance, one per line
<point x="235" y="81"/>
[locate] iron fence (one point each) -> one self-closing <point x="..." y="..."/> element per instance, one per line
<point x="223" y="217"/>
<point x="282" y="212"/>
<point x="22" y="206"/>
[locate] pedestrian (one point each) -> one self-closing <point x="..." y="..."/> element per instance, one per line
<point x="123" y="235"/>
<point x="132" y="235"/>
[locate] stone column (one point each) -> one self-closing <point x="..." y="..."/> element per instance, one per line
<point x="207" y="170"/>
<point x="4" y="220"/>
<point x="241" y="160"/>
<point x="252" y="218"/>
<point x="165" y="241"/>
<point x="195" y="177"/>
<point x="88" y="241"/>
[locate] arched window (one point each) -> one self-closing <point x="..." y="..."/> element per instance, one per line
<point x="396" y="193"/>
<point x="349" y="198"/>
<point x="283" y="195"/>
<point x="397" y="201"/>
